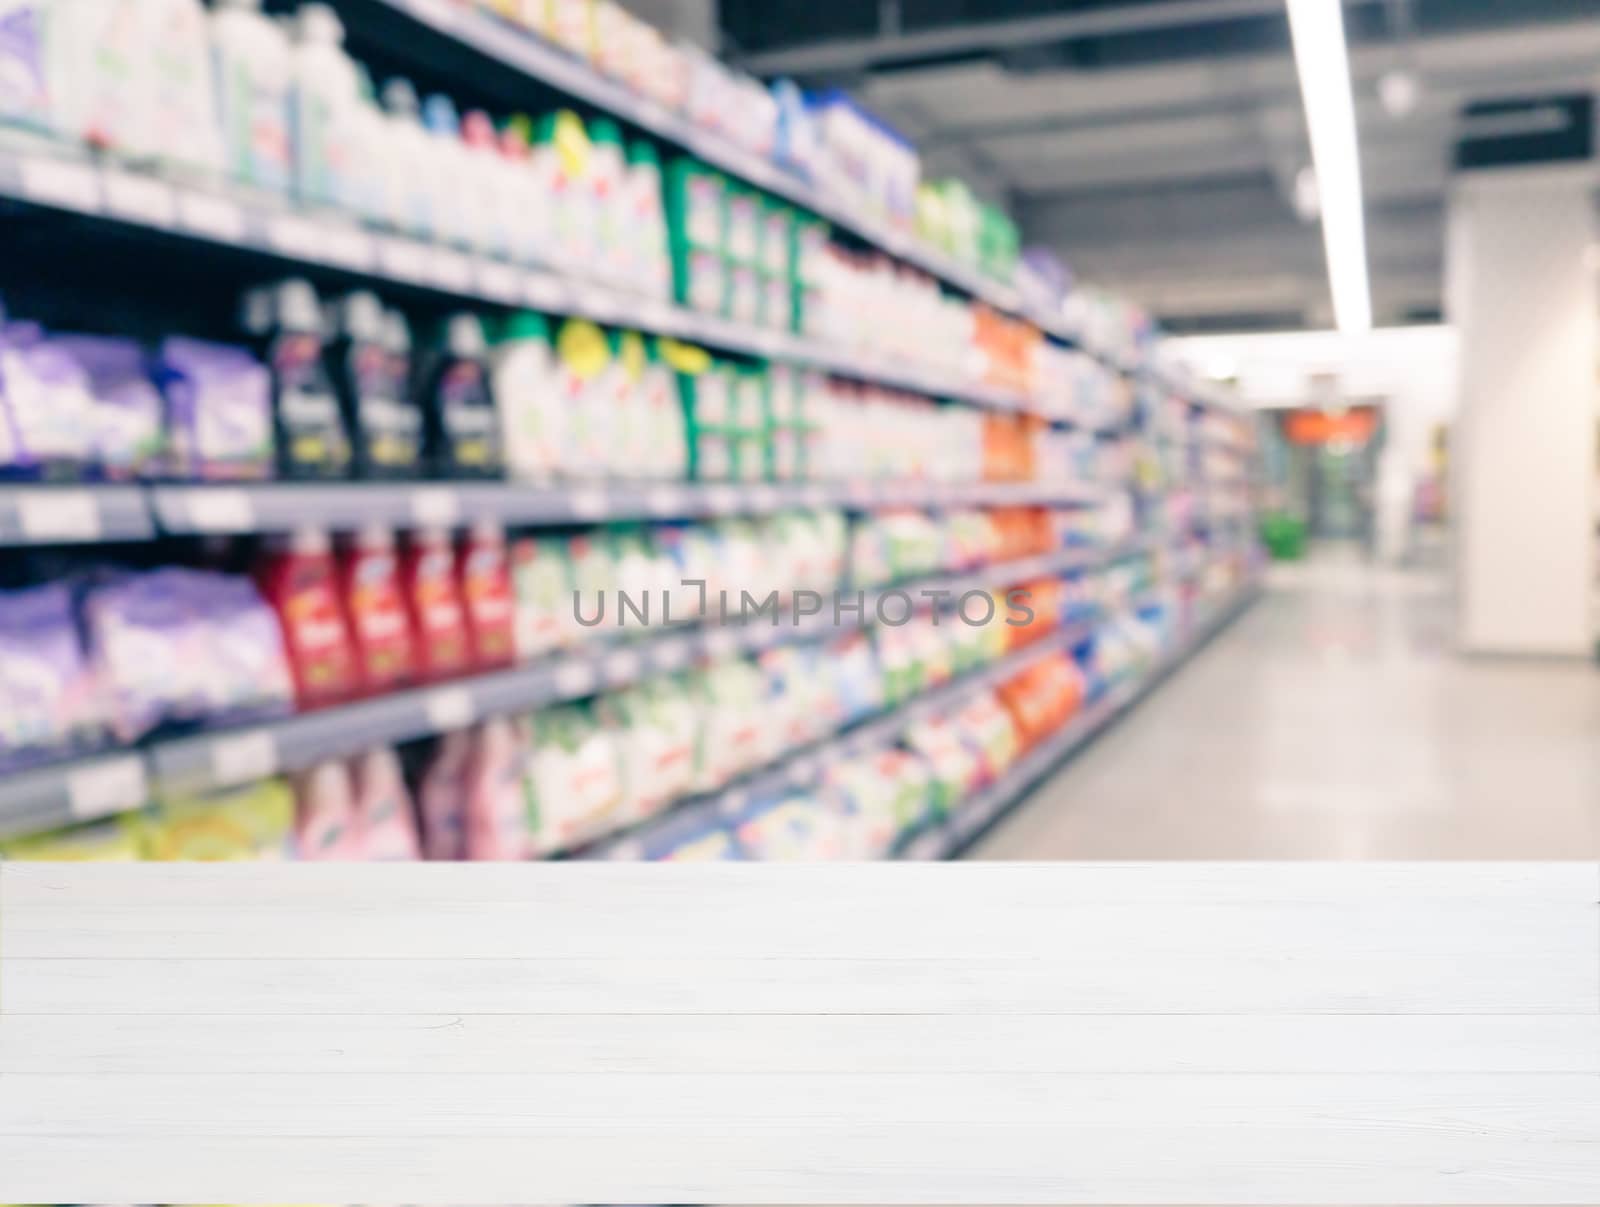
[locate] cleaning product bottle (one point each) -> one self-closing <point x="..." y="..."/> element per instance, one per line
<point x="463" y="430"/>
<point x="370" y="360"/>
<point x="433" y="603"/>
<point x="376" y="184"/>
<point x="491" y="179"/>
<point x="312" y="440"/>
<point x="299" y="581"/>
<point x="375" y="608"/>
<point x="253" y="81"/>
<point x="532" y="419"/>
<point x="650" y="267"/>
<point x="607" y="179"/>
<point x="97" y="83"/>
<point x="561" y="158"/>
<point x="458" y="216"/>
<point x="181" y="111"/>
<point x="25" y="77"/>
<point x="326" y="94"/>
<point x="325" y="815"/>
<point x="668" y="452"/>
<point x="413" y="170"/>
<point x="531" y="230"/>
<point x="583" y="358"/>
<point x="385" y="819"/>
<point x="483" y="574"/>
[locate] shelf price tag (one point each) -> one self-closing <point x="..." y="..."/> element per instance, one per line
<point x="295" y="237"/>
<point x="589" y="503"/>
<point x="575" y="678"/>
<point x="219" y="510"/>
<point x="543" y="292"/>
<point x="242" y="757"/>
<point x="450" y="708"/>
<point x="212" y="217"/>
<point x="722" y="500"/>
<point x="763" y="498"/>
<point x="101" y="789"/>
<point x="622" y="666"/>
<point x="664" y="501"/>
<point x="61" y="183"/>
<point x="139" y="199"/>
<point x="404" y="260"/>
<point x="348" y="248"/>
<point x="59" y="515"/>
<point x="498" y="282"/>
<point x="435" y="507"/>
<point x="452" y="271"/>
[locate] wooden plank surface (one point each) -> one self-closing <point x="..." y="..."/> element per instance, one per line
<point x="1167" y="1033"/>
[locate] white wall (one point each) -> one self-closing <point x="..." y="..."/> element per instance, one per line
<point x="1414" y="370"/>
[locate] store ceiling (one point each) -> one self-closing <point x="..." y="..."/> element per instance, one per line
<point x="1155" y="143"/>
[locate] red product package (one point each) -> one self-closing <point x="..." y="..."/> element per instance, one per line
<point x="299" y="581"/>
<point x="485" y="582"/>
<point x="375" y="607"/>
<point x="433" y="602"/>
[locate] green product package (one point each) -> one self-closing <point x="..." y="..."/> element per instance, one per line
<point x="696" y="207"/>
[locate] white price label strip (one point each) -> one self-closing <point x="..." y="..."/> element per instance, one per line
<point x="722" y="500"/>
<point x="450" y="708"/>
<point x="543" y="292"/>
<point x="64" y="515"/>
<point x="57" y="182"/>
<point x="665" y="501"/>
<point x="763" y="498"/>
<point x="105" y="788"/>
<point x="242" y="757"/>
<point x="139" y="199"/>
<point x="348" y="248"/>
<point x="214" y="217"/>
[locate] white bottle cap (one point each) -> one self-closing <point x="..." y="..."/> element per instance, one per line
<point x="319" y="23"/>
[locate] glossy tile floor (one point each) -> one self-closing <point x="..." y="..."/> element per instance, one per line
<point x="1334" y="721"/>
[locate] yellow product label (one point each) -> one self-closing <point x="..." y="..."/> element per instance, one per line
<point x="630" y="352"/>
<point x="571" y="141"/>
<point x="582" y="348"/>
<point x="684" y="358"/>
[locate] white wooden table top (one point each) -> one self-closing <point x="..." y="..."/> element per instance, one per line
<point x="899" y="1034"/>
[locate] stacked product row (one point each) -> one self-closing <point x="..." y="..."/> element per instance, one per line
<point x="111" y="655"/>
<point x="515" y="788"/>
<point x="337" y="387"/>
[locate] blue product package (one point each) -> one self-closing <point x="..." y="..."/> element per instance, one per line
<point x="789" y="826"/>
<point x="126" y="434"/>
<point x="694" y="835"/>
<point x="248" y="669"/>
<point x="48" y="699"/>
<point x="133" y="625"/>
<point x="219" y="410"/>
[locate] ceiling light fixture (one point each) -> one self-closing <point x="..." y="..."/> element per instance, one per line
<point x="1320" y="56"/>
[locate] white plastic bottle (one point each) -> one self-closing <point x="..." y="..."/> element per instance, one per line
<point x="253" y="74"/>
<point x="410" y="155"/>
<point x="458" y="210"/>
<point x="327" y="94"/>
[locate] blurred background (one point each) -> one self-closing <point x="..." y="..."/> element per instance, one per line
<point x="510" y="429"/>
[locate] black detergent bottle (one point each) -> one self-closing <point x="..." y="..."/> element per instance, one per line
<point x="369" y="359"/>
<point x="285" y="320"/>
<point x="463" y="428"/>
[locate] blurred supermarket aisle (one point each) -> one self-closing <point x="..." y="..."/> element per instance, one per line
<point x="1334" y="721"/>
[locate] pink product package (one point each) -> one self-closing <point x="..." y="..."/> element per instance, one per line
<point x="496" y="807"/>
<point x="443" y="797"/>
<point x="326" y="827"/>
<point x="385" y="820"/>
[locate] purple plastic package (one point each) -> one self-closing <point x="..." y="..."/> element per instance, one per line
<point x="46" y="405"/>
<point x="126" y="438"/>
<point x="219" y="410"/>
<point x="23" y="92"/>
<point x="180" y="646"/>
<point x="48" y="699"/>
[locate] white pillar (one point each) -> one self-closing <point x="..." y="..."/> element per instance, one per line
<point x="1521" y="292"/>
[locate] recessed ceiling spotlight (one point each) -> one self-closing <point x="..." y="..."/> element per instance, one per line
<point x="1398" y="92"/>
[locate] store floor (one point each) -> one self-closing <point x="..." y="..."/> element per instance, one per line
<point x="1334" y="721"/>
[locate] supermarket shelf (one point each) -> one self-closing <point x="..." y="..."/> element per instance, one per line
<point x="90" y="513"/>
<point x="804" y="766"/>
<point x="63" y="515"/>
<point x="955" y="835"/>
<point x="525" y="52"/>
<point x="251" y="222"/>
<point x="62" y="793"/>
